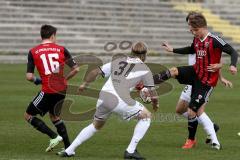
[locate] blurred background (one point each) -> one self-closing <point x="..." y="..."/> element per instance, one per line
<point x="86" y="26"/>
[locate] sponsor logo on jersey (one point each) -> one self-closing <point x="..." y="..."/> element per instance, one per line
<point x="201" y="53"/>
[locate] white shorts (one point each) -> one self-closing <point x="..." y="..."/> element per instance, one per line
<point x="126" y="112"/>
<point x="186" y="93"/>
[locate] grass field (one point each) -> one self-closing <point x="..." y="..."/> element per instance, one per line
<point x="18" y="140"/>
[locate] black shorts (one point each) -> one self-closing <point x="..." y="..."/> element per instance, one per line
<point x="200" y="92"/>
<point x="46" y="102"/>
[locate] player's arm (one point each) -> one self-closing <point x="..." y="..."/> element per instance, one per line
<point x="225" y="47"/>
<point x="30" y="71"/>
<point x="184" y="50"/>
<point x="154" y="97"/>
<point x="104" y="71"/>
<point x="71" y="63"/>
<point x="224" y="81"/>
<point x="148" y="82"/>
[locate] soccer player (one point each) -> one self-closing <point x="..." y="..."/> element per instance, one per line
<point x="185" y="97"/>
<point x="124" y="73"/>
<point x="203" y="75"/>
<point x="49" y="59"/>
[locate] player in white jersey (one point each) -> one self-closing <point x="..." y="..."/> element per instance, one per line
<point x="185" y="97"/>
<point x="124" y="73"/>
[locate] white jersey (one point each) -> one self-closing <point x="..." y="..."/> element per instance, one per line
<point x="124" y="73"/>
<point x="191" y="59"/>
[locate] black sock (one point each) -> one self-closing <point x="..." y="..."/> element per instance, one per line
<point x="161" y="77"/>
<point x="62" y="131"/>
<point x="42" y="127"/>
<point x="192" y="128"/>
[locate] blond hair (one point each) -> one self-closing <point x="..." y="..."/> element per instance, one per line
<point x="139" y="48"/>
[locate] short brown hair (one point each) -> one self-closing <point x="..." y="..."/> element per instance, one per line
<point x="196" y="19"/>
<point x="139" y="48"/>
<point x="47" y="31"/>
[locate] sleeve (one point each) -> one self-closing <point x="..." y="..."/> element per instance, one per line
<point x="106" y="70"/>
<point x="148" y="79"/>
<point x="30" y="63"/>
<point x="184" y="50"/>
<point x="225" y="47"/>
<point x="69" y="60"/>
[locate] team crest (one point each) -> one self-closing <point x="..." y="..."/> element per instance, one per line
<point x="196" y="45"/>
<point x="199" y="96"/>
<point x="207" y="44"/>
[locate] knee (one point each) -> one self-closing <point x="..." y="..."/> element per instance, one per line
<point x="54" y="118"/>
<point x="173" y="71"/>
<point x="145" y="114"/>
<point x="98" y="125"/>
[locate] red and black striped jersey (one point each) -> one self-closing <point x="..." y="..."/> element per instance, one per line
<point x="50" y="59"/>
<point x="208" y="51"/>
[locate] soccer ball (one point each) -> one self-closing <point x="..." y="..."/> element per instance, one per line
<point x="145" y="95"/>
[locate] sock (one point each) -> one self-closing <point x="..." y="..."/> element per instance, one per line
<point x="42" y="127"/>
<point x="139" y="131"/>
<point x="192" y="127"/>
<point x="208" y="127"/>
<point x="62" y="131"/>
<point x="84" y="135"/>
<point x="161" y="77"/>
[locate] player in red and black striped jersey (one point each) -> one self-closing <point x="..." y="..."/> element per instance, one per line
<point x="49" y="59"/>
<point x="203" y="75"/>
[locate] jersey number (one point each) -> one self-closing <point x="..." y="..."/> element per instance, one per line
<point x="122" y="66"/>
<point x="54" y="65"/>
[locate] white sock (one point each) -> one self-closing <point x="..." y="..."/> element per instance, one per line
<point x="208" y="127"/>
<point x="84" y="135"/>
<point x="139" y="131"/>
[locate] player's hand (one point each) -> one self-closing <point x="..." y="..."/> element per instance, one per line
<point x="139" y="86"/>
<point x="82" y="87"/>
<point x="214" y="67"/>
<point x="233" y="70"/>
<point x="37" y="80"/>
<point x="226" y="83"/>
<point x="167" y="47"/>
<point x="155" y="104"/>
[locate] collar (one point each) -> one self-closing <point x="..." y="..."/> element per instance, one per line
<point x="205" y="37"/>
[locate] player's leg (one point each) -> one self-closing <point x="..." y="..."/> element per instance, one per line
<point x="165" y="75"/>
<point x="183" y="102"/>
<point x="54" y="114"/>
<point x="182" y="106"/>
<point x="144" y="119"/>
<point x="85" y="134"/>
<point x="192" y="128"/>
<point x="101" y="115"/>
<point x="61" y="129"/>
<point x="209" y="127"/>
<point x="34" y="108"/>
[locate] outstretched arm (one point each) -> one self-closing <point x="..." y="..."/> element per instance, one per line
<point x="91" y="76"/>
<point x="73" y="72"/>
<point x="184" y="50"/>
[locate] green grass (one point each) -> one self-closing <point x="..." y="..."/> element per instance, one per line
<point x="18" y="140"/>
